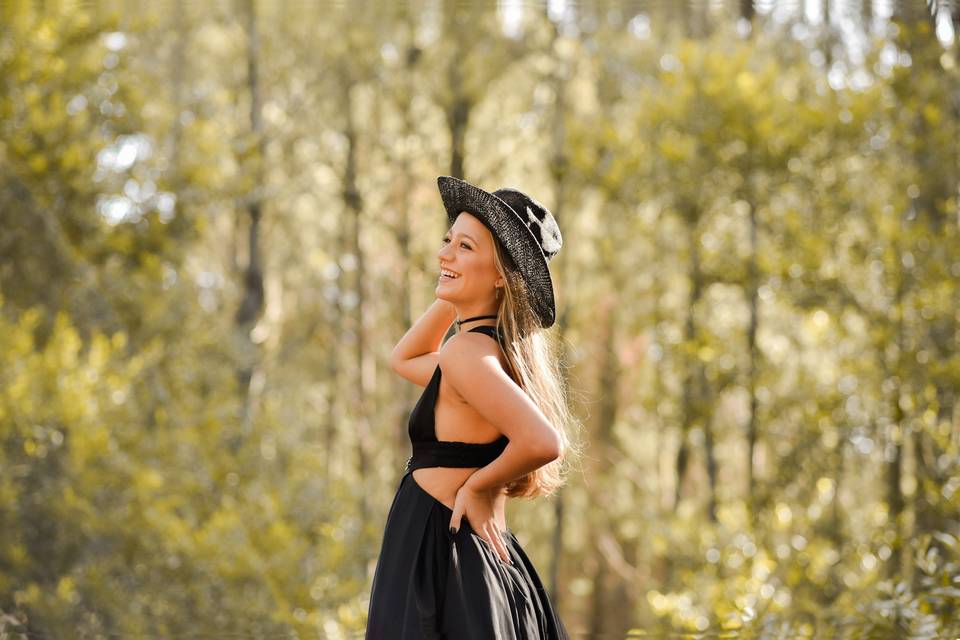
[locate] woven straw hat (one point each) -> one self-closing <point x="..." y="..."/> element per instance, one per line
<point x="526" y="229"/>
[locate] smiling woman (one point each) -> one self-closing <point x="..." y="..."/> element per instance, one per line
<point x="490" y="424"/>
<point x="468" y="262"/>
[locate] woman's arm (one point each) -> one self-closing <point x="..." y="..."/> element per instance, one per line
<point x="516" y="461"/>
<point x="415" y="357"/>
<point x="470" y="364"/>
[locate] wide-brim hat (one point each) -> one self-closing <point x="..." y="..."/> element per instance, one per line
<point x="525" y="228"/>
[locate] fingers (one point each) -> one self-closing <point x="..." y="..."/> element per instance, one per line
<point x="455" y="518"/>
<point x="496" y="540"/>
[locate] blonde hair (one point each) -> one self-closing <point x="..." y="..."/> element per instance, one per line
<point x="533" y="358"/>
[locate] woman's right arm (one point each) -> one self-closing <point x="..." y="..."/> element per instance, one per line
<point x="417" y="354"/>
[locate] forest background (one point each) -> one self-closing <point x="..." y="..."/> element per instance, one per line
<point x="216" y="220"/>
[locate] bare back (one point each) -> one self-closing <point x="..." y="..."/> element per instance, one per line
<point x="456" y="420"/>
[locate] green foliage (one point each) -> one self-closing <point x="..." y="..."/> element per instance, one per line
<point x="151" y="486"/>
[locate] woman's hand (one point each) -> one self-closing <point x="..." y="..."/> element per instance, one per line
<point x="447" y="306"/>
<point x="479" y="507"/>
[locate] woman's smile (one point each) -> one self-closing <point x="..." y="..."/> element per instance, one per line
<point x="448" y="276"/>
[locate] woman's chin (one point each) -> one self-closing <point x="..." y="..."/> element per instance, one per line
<point x="442" y="294"/>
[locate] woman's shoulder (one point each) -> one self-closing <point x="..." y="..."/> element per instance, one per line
<point x="467" y="350"/>
<point x="470" y="343"/>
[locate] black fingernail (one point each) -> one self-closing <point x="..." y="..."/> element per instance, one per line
<point x="452" y="530"/>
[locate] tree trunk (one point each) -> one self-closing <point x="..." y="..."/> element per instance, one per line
<point x="558" y="172"/>
<point x="251" y="305"/>
<point x="460" y="104"/>
<point x="752" y="358"/>
<point x="353" y="207"/>
<point x="691" y="409"/>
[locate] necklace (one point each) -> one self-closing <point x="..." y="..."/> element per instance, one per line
<point x="460" y="322"/>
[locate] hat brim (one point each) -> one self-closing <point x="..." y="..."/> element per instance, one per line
<point x="509" y="228"/>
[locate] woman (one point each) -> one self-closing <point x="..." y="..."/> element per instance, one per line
<point x="489" y="425"/>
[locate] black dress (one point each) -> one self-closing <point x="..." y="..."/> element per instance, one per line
<point x="431" y="584"/>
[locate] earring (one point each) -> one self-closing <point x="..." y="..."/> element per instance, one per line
<point x="498" y="292"/>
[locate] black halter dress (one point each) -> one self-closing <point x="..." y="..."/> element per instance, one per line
<point x="433" y="584"/>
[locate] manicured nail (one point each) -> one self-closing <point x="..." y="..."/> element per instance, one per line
<point x="452" y="530"/>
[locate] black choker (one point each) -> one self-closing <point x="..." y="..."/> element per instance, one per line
<point x="460" y="322"/>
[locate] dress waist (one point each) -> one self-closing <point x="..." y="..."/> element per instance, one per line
<point x="455" y="454"/>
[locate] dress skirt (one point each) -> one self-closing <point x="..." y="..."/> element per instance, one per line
<point x="432" y="584"/>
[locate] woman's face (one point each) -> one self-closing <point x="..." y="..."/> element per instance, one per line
<point x="468" y="252"/>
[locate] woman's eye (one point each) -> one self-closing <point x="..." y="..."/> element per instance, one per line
<point x="462" y="244"/>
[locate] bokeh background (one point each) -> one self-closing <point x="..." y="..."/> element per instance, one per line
<point x="218" y="218"/>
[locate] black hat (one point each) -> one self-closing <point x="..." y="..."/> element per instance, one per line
<point x="525" y="228"/>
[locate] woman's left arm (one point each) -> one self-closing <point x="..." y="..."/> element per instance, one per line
<point x="515" y="462"/>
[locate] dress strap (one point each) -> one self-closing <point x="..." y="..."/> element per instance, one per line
<point x="493" y="332"/>
<point x="463" y="322"/>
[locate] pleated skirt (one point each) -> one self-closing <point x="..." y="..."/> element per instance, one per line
<point x="432" y="584"/>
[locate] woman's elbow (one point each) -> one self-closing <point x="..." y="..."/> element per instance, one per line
<point x="551" y="447"/>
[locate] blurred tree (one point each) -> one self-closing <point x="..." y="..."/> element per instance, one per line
<point x="757" y="296"/>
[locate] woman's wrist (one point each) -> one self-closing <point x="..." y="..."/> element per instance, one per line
<point x="446" y="311"/>
<point x="471" y="484"/>
<point x="448" y="307"/>
<point x="427" y="332"/>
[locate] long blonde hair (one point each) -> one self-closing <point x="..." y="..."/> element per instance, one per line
<point x="534" y="361"/>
